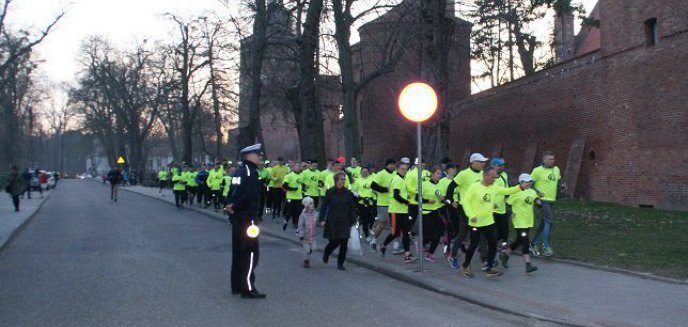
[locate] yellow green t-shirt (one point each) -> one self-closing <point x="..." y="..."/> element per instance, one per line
<point x="214" y="180"/>
<point x="294" y="180"/>
<point x="362" y="187"/>
<point x="277" y="174"/>
<point x="178" y="183"/>
<point x="479" y="202"/>
<point x="310" y="179"/>
<point x="412" y="183"/>
<point x="191" y="179"/>
<point x="329" y="182"/>
<point x="162" y="175"/>
<point x="465" y="179"/>
<point x="355" y="172"/>
<point x="522" y="207"/>
<point x="546" y="181"/>
<point x="395" y="206"/>
<point x="444" y="188"/>
<point x="432" y="191"/>
<point x="384" y="179"/>
<point x="500" y="202"/>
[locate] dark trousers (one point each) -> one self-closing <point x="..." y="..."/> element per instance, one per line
<point x="366" y="217"/>
<point x="217" y="198"/>
<point x="332" y="245"/>
<point x="292" y="210"/>
<point x="489" y="233"/>
<point x="192" y="190"/>
<point x="15" y="201"/>
<point x="522" y="240"/>
<point x="163" y="184"/>
<point x="203" y="194"/>
<point x="433" y="228"/>
<point x="401" y="226"/>
<point x="28" y="190"/>
<point x="263" y="196"/>
<point x="452" y="216"/>
<point x="245" y="254"/>
<point x="277" y="201"/>
<point x="502" y="225"/>
<point x="179" y="197"/>
<point x="457" y="242"/>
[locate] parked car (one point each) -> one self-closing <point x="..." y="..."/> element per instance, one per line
<point x="84" y="176"/>
<point x="51" y="180"/>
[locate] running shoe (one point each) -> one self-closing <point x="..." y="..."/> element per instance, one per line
<point x="398" y="251"/>
<point x="530" y="268"/>
<point x="454" y="262"/>
<point x="284" y="226"/>
<point x="430" y="257"/>
<point x="410" y="259"/>
<point x="466" y="271"/>
<point x="504" y="258"/>
<point x="493" y="272"/>
<point x="483" y="266"/>
<point x="382" y="251"/>
<point x="548" y="252"/>
<point x="373" y="245"/>
<point x="534" y="250"/>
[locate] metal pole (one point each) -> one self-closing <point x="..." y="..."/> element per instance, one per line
<point x="420" y="197"/>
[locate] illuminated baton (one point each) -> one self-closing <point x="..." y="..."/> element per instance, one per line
<point x="252" y="231"/>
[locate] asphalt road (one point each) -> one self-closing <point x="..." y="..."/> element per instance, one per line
<point x="86" y="261"/>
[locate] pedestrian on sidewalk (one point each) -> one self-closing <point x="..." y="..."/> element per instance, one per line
<point x="43" y="181"/>
<point x="27" y="175"/>
<point x="339" y="217"/>
<point x="522" y="217"/>
<point x="15" y="187"/>
<point x="115" y="178"/>
<point x="306" y="229"/>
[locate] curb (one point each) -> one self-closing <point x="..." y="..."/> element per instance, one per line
<point x="396" y="275"/>
<point x="21" y="226"/>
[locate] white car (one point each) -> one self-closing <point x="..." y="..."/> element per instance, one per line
<point x="84" y="176"/>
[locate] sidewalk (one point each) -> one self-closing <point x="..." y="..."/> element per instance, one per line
<point x="557" y="292"/>
<point x="12" y="222"/>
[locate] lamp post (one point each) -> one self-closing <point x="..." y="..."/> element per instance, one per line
<point x="417" y="103"/>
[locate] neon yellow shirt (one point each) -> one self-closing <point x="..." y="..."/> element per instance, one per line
<point x="329" y="182"/>
<point x="500" y="204"/>
<point x="522" y="206"/>
<point x="412" y="183"/>
<point x="227" y="180"/>
<point x="479" y="202"/>
<point x="395" y="206"/>
<point x="444" y="188"/>
<point x="310" y="179"/>
<point x="384" y="179"/>
<point x="465" y="179"/>
<point x="214" y="180"/>
<point x="362" y="187"/>
<point x="277" y="174"/>
<point x="191" y="179"/>
<point x="432" y="191"/>
<point x="294" y="180"/>
<point x="546" y="181"/>
<point x="162" y="175"/>
<point x="178" y="183"/>
<point x="355" y="172"/>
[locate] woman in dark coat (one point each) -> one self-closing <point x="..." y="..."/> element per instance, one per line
<point x="338" y="209"/>
<point x="15" y="187"/>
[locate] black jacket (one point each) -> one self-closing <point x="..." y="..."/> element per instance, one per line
<point x="338" y="210"/>
<point x="245" y="194"/>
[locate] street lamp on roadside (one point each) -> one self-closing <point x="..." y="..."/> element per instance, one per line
<point x="417" y="103"/>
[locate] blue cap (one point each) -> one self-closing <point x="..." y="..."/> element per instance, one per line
<point x="497" y="162"/>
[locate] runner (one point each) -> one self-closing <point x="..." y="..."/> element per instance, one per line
<point x="178" y="188"/>
<point x="478" y="204"/>
<point x="162" y="179"/>
<point x="455" y="225"/>
<point x="380" y="184"/>
<point x="366" y="202"/>
<point x="293" y="184"/>
<point x="276" y="180"/>
<point x="115" y="177"/>
<point x="434" y="221"/>
<point x="191" y="185"/>
<point x="522" y="218"/>
<point x="398" y="209"/>
<point x="546" y="177"/>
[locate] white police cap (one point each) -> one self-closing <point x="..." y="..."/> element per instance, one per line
<point x="256" y="148"/>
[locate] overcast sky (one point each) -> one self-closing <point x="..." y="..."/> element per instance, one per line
<point x="121" y="21"/>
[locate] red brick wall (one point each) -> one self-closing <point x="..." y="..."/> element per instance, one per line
<point x="631" y="107"/>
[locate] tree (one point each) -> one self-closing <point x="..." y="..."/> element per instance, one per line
<point x="16" y="81"/>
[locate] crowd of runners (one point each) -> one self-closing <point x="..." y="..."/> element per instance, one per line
<point x="463" y="210"/>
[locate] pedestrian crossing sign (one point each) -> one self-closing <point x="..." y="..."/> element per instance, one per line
<point x="120" y="160"/>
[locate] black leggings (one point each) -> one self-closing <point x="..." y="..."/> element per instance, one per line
<point x="366" y="217"/>
<point x="489" y="233"/>
<point x="401" y="226"/>
<point x="217" y="198"/>
<point x="179" y="197"/>
<point x="332" y="245"/>
<point x="457" y="242"/>
<point x="15" y="201"/>
<point x="522" y="240"/>
<point x="502" y="225"/>
<point x="277" y="200"/>
<point x="192" y="193"/>
<point x="203" y="194"/>
<point x="292" y="210"/>
<point x="433" y="228"/>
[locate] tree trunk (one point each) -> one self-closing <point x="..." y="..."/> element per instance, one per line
<point x="253" y="131"/>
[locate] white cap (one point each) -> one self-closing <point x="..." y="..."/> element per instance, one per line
<point x="525" y="178"/>
<point x="416" y="162"/>
<point x="477" y="157"/>
<point x="252" y="149"/>
<point x="405" y="160"/>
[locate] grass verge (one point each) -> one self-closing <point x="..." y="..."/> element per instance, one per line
<point x="638" y="239"/>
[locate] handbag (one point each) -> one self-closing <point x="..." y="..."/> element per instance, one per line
<point x="354" y="243"/>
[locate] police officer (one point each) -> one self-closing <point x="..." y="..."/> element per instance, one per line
<point x="243" y="207"/>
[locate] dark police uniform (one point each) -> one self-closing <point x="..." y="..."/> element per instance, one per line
<point x="245" y="200"/>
